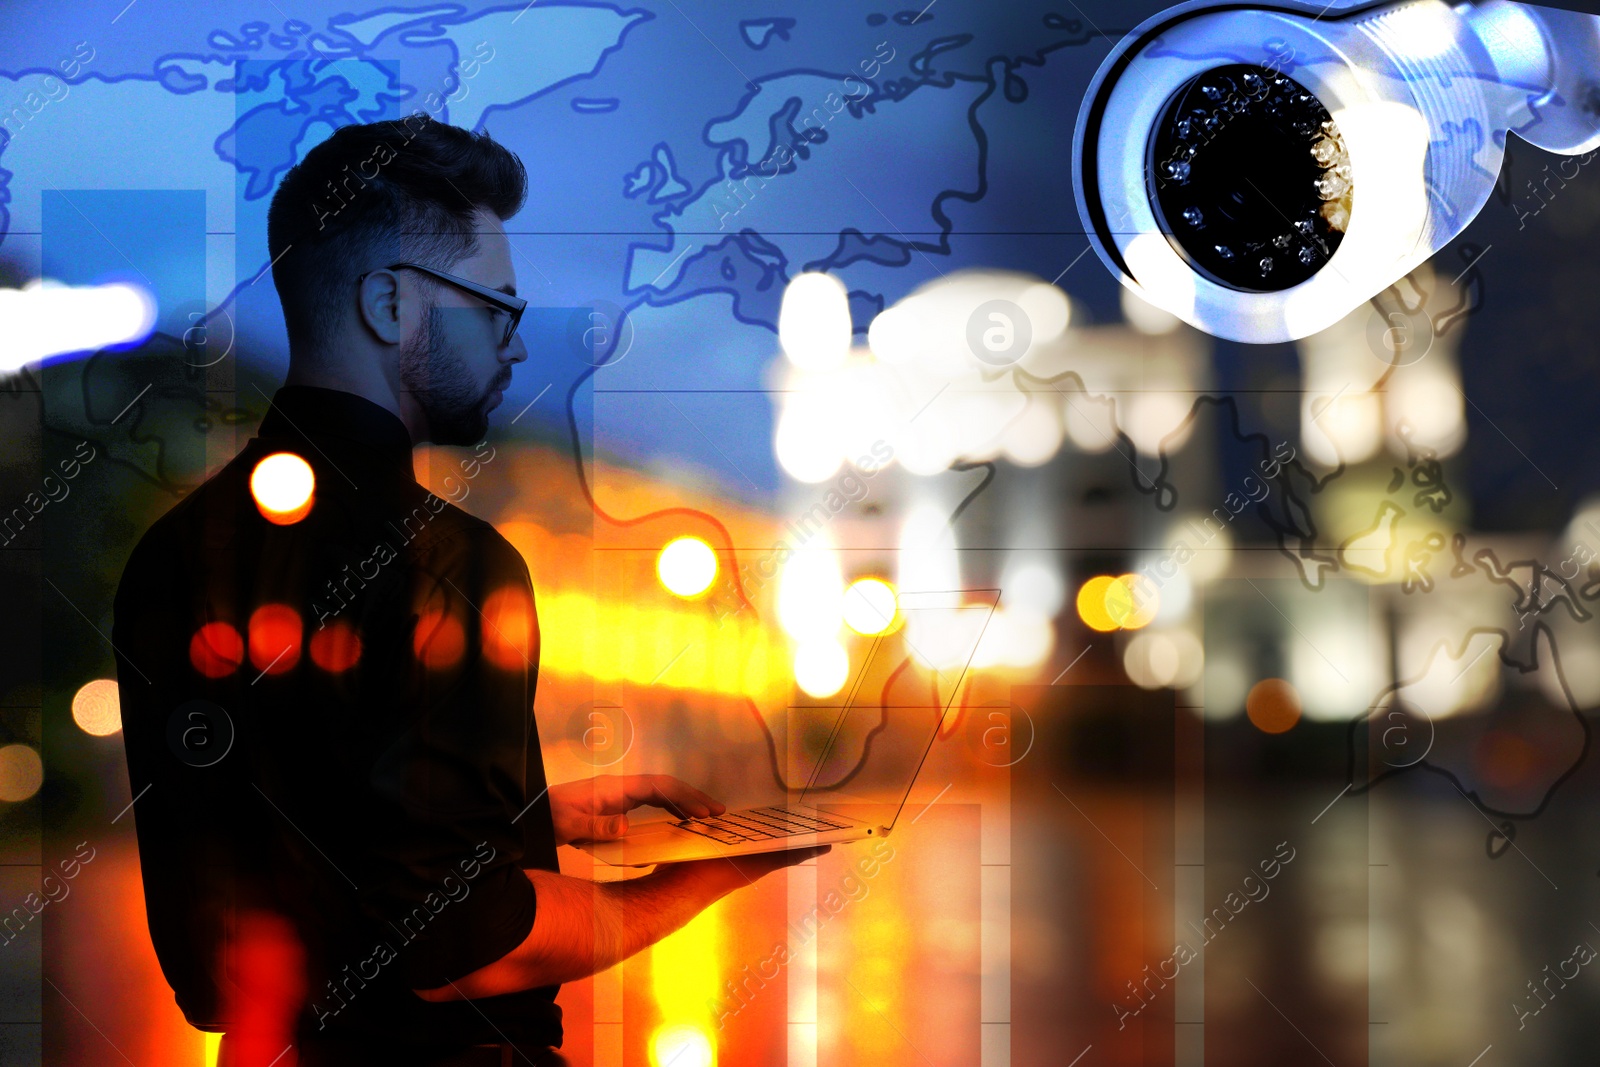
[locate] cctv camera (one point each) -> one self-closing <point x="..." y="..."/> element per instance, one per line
<point x="1262" y="172"/>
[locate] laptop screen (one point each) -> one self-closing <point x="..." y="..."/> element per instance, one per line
<point x="888" y="716"/>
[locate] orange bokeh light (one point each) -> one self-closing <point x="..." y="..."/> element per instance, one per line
<point x="439" y="640"/>
<point x="510" y="633"/>
<point x="216" y="650"/>
<point x="1273" y="706"/>
<point x="275" y="638"/>
<point x="1505" y="760"/>
<point x="284" y="488"/>
<point x="97" y="708"/>
<point x="336" y="647"/>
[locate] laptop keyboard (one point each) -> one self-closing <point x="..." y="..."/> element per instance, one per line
<point x="759" y="824"/>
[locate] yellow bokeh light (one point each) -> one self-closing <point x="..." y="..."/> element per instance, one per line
<point x="687" y="566"/>
<point x="582" y="636"/>
<point x="21" y="773"/>
<point x="1132" y="601"/>
<point x="682" y="1046"/>
<point x="1126" y="603"/>
<point x="1092" y="604"/>
<point x="283" y="487"/>
<point x="821" y="667"/>
<point x="97" y="709"/>
<point x="870" y="606"/>
<point x="684" y="969"/>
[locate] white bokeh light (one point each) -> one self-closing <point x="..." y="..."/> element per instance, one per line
<point x="814" y="322"/>
<point x="811" y="592"/>
<point x="821" y="667"/>
<point x="45" y="318"/>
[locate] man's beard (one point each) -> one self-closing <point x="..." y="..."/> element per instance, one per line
<point x="441" y="384"/>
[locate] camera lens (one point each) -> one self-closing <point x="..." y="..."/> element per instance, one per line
<point x="1250" y="178"/>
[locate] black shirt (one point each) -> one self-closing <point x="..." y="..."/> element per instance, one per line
<point x="334" y="720"/>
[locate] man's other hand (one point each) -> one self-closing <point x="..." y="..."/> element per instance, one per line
<point x="594" y="809"/>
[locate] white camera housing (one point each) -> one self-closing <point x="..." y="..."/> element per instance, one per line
<point x="1422" y="95"/>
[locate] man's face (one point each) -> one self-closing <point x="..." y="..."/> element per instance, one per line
<point x="453" y="363"/>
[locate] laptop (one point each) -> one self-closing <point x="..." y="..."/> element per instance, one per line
<point x="901" y="686"/>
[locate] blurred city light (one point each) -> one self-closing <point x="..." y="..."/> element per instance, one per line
<point x="1048" y="309"/>
<point x="1207" y="549"/>
<point x="945" y="641"/>
<point x="1159" y="659"/>
<point x="45" y="318"/>
<point x="1580" y="670"/>
<point x="870" y="606"/>
<point x="1017" y="636"/>
<point x="1034" y="583"/>
<point x="336" y="647"/>
<point x="21" y="773"/>
<point x="1177" y="597"/>
<point x="814" y="322"/>
<point x="927" y="381"/>
<point x="1034" y="436"/>
<point x="928" y="556"/>
<point x="283" y="486"/>
<point x="1442" y="675"/>
<point x="1156" y="421"/>
<point x="1341" y="428"/>
<point x="510" y="633"/>
<point x="682" y="1046"/>
<point x="811" y="592"/>
<point x="685" y="968"/>
<point x="1132" y="601"/>
<point x="687" y="566"/>
<point x="97" y="709"/>
<point x="1145" y="316"/>
<point x="1273" y="706"/>
<point x="584" y="637"/>
<point x="216" y="650"/>
<point x="962" y="369"/>
<point x="821" y="667"/>
<point x="439" y="640"/>
<point x="1092" y="604"/>
<point x="897" y="335"/>
<point x="1386" y="374"/>
<point x="1128" y="602"/>
<point x="1426" y="399"/>
<point x="275" y="637"/>
<point x="807" y="438"/>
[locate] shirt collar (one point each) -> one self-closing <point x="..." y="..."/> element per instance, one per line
<point x="315" y="414"/>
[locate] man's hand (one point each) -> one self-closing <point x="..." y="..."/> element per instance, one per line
<point x="582" y="927"/>
<point x="725" y="875"/>
<point x="594" y="809"/>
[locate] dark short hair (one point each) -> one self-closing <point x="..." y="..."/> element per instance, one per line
<point x="374" y="194"/>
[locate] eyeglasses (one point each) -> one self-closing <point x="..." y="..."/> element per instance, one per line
<point x="512" y="306"/>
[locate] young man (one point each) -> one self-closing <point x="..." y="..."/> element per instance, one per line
<point x="329" y="712"/>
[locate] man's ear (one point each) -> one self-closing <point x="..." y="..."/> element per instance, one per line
<point x="378" y="302"/>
